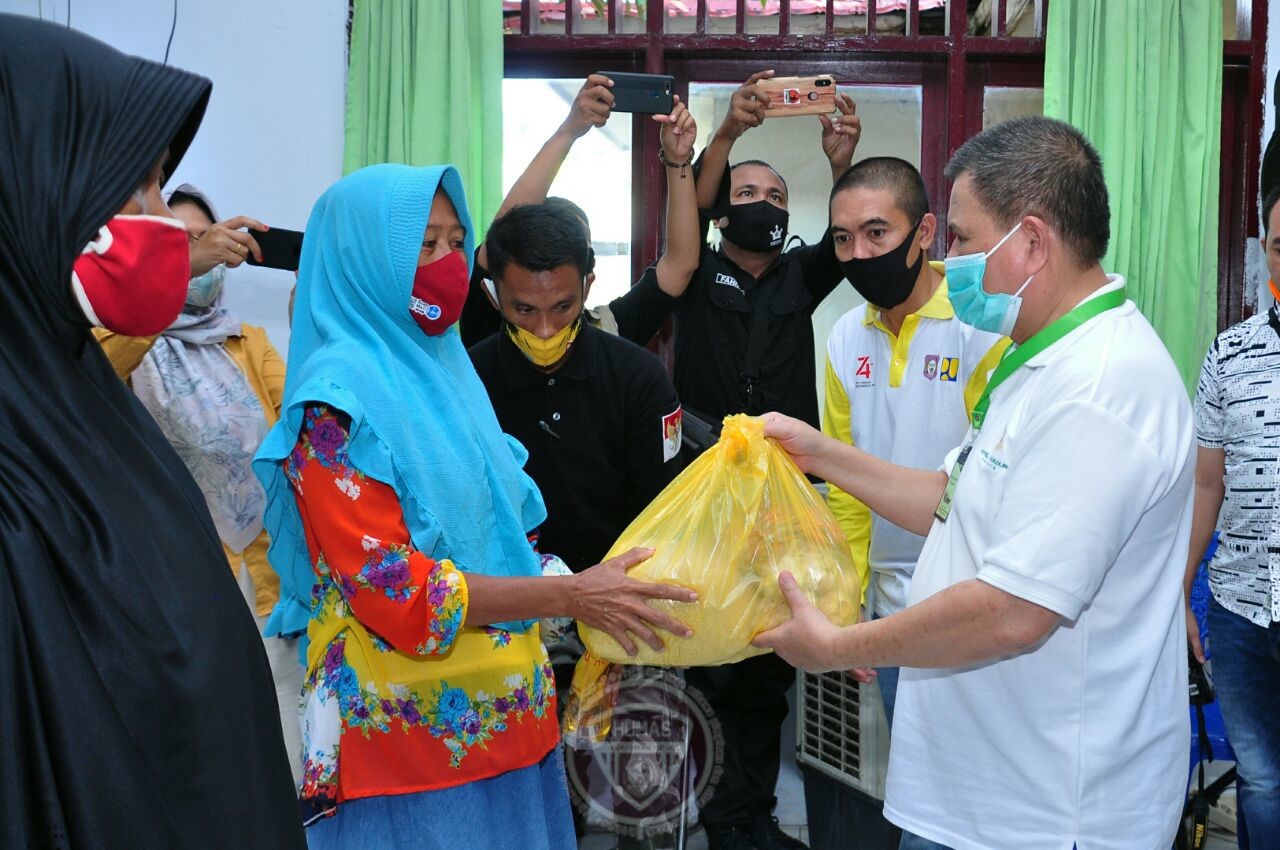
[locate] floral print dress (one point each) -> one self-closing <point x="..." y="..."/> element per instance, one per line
<point x="400" y="695"/>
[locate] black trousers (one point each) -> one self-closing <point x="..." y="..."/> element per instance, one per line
<point x="749" y="699"/>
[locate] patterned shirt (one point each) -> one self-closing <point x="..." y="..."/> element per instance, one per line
<point x="401" y="695"/>
<point x="1238" y="410"/>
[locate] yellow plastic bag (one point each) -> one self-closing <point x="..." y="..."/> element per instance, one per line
<point x="727" y="527"/>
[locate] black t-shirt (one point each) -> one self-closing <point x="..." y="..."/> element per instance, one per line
<point x="639" y="313"/>
<point x="713" y="324"/>
<point x="602" y="434"/>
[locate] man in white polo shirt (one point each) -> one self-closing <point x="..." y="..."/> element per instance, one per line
<point x="1043" y="704"/>
<point x="903" y="373"/>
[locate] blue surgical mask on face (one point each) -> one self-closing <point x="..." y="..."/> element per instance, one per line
<point x="202" y="291"/>
<point x="975" y="306"/>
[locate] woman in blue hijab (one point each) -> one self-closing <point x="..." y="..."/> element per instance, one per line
<point x="399" y="515"/>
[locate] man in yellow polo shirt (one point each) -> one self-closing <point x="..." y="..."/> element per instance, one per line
<point x="902" y="372"/>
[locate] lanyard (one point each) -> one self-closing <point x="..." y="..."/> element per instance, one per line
<point x="1009" y="364"/>
<point x="1015" y="358"/>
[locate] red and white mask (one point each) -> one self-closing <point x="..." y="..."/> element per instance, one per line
<point x="132" y="279"/>
<point x="439" y="293"/>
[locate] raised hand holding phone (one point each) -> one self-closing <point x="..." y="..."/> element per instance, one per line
<point x="841" y="133"/>
<point x="225" y="242"/>
<point x="592" y="106"/>
<point x="678" y="133"/>
<point x="746" y="107"/>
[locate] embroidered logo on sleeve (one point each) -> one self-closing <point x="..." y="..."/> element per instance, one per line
<point x="671" y="434"/>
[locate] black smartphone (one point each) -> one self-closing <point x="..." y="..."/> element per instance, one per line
<point x="647" y="94"/>
<point x="281" y="249"/>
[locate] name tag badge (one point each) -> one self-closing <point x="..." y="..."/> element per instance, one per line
<point x="949" y="492"/>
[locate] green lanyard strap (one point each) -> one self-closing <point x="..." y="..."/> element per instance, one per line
<point x="1014" y="358"/>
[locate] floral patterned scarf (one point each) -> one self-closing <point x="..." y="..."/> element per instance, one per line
<point x="204" y="404"/>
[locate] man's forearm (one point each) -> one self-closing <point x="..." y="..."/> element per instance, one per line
<point x="535" y="182"/>
<point x="968" y="623"/>
<point x="1204" y="517"/>
<point x="683" y="249"/>
<point x="715" y="159"/>
<point x="904" y="496"/>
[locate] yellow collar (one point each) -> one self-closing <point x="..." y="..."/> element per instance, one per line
<point x="937" y="307"/>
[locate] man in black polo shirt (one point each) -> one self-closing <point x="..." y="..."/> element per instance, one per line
<point x="744" y="344"/>
<point x="597" y="413"/>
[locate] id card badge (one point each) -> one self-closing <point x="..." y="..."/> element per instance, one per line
<point x="949" y="492"/>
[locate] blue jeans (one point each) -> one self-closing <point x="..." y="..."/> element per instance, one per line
<point x="1246" y="674"/>
<point x="888" y="679"/>
<point x="911" y="841"/>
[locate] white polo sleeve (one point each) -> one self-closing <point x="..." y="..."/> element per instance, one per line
<point x="1077" y="487"/>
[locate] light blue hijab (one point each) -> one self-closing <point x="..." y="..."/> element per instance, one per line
<point x="421" y="420"/>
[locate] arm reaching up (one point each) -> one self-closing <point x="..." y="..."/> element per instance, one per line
<point x="746" y="110"/>
<point x="591" y="108"/>
<point x="683" y="249"/>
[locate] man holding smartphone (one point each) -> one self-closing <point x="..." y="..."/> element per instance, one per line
<point x="638" y="314"/>
<point x="744" y="344"/>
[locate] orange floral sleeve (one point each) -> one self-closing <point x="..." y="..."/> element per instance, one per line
<point x="355" y="525"/>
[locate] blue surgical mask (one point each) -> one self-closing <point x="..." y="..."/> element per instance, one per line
<point x="975" y="306"/>
<point x="204" y="290"/>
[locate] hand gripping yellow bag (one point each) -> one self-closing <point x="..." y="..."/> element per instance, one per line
<point x="727" y="527"/>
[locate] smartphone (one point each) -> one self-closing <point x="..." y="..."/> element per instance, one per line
<point x="790" y="96"/>
<point x="648" y="94"/>
<point x="281" y="249"/>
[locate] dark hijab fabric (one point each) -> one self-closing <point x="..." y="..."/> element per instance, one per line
<point x="136" y="702"/>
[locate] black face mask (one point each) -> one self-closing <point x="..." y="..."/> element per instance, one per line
<point x="885" y="281"/>
<point x="758" y="226"/>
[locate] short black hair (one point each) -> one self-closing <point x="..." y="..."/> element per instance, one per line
<point x="1268" y="204"/>
<point x="183" y="198"/>
<point x="537" y="237"/>
<point x="566" y="204"/>
<point x="760" y="162"/>
<point x="888" y="172"/>
<point x="1039" y="166"/>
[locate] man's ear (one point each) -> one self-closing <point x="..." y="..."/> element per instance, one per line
<point x="927" y="233"/>
<point x="586" y="287"/>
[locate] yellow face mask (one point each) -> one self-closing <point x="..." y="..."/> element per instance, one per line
<point x="545" y="352"/>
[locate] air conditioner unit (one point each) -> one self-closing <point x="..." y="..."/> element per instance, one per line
<point x="842" y="732"/>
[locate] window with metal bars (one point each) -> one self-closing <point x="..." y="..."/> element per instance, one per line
<point x="973" y="62"/>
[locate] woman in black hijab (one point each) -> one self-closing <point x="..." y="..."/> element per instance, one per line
<point x="135" y="699"/>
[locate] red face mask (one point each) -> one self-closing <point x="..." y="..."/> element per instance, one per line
<point x="132" y="279"/>
<point x="439" y="292"/>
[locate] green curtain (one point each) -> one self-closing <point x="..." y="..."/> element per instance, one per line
<point x="425" y="87"/>
<point x="1143" y="80"/>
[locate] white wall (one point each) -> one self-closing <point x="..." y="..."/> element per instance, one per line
<point x="271" y="141"/>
